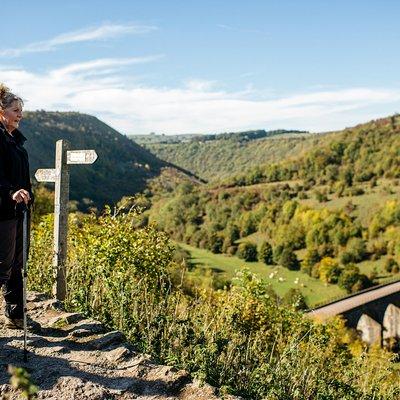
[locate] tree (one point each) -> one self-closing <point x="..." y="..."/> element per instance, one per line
<point x="329" y="270"/>
<point x="295" y="299"/>
<point x="311" y="258"/>
<point x="355" y="250"/>
<point x="247" y="251"/>
<point x="215" y="243"/>
<point x="349" y="277"/>
<point x="289" y="260"/>
<point x="389" y="264"/>
<point x="265" y="253"/>
<point x="232" y="232"/>
<point x="352" y="281"/>
<point x="276" y="253"/>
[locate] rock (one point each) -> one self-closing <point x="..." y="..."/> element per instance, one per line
<point x="169" y="379"/>
<point x="107" y="340"/>
<point x="80" y="333"/>
<point x="65" y="319"/>
<point x="118" y="354"/>
<point x="60" y="349"/>
<point x="36" y="297"/>
<point x="52" y="304"/>
<point x="86" y="328"/>
<point x="93" y="326"/>
<point x="71" y="388"/>
<point x="45" y="305"/>
<point x="18" y="344"/>
<point x="36" y="341"/>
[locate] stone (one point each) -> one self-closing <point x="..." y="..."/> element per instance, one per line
<point x="80" y="333"/>
<point x="71" y="388"/>
<point x="107" y="340"/>
<point x="36" y="297"/>
<point x="370" y="330"/>
<point x="45" y="305"/>
<point x="93" y="326"/>
<point x="118" y="354"/>
<point x="65" y="319"/>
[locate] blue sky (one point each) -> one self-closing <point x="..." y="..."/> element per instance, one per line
<point x="206" y="66"/>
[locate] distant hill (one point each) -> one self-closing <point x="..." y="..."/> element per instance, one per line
<point x="358" y="154"/>
<point x="219" y="156"/>
<point x="197" y="137"/>
<point x="123" y="167"/>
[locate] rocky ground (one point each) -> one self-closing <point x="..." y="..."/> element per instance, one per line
<point x="73" y="358"/>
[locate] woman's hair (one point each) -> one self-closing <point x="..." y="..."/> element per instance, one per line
<point x="7" y="97"/>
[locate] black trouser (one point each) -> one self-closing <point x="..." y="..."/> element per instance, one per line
<point x="11" y="253"/>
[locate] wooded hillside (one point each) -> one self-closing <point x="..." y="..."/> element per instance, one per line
<point x="122" y="168"/>
<point x="331" y="213"/>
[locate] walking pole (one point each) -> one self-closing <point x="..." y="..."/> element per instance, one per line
<point x="25" y="234"/>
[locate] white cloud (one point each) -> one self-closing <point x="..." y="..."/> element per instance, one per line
<point x="200" y="84"/>
<point x="107" y="31"/>
<point x="100" y="65"/>
<point x="99" y="87"/>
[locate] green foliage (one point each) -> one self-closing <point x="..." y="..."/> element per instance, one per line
<point x="389" y="264"/>
<point x="21" y="380"/>
<point x="238" y="339"/>
<point x="329" y="270"/>
<point x="222" y="157"/>
<point x="365" y="153"/>
<point x="216" y="243"/>
<point x="311" y="258"/>
<point x="265" y="253"/>
<point x="247" y="251"/>
<point x="44" y="202"/>
<point x="352" y="281"/>
<point x="293" y="298"/>
<point x="288" y="259"/>
<point x="356" y="249"/>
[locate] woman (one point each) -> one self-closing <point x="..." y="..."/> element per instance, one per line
<point x="15" y="191"/>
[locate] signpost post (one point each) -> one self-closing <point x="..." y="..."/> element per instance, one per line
<point x="60" y="175"/>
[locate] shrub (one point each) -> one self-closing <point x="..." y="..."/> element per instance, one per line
<point x="215" y="243"/>
<point x="289" y="260"/>
<point x="231" y="250"/>
<point x="311" y="258"/>
<point x="265" y="253"/>
<point x="294" y="298"/>
<point x="329" y="270"/>
<point x="320" y="197"/>
<point x="276" y="253"/>
<point x="389" y="264"/>
<point x="247" y="251"/>
<point x="252" y="346"/>
<point x="352" y="281"/>
<point x="355" y="251"/>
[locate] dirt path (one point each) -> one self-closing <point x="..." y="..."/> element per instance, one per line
<point x="76" y="359"/>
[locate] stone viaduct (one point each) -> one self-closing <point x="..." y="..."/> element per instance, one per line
<point x="374" y="313"/>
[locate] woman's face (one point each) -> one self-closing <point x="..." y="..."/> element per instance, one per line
<point x="12" y="115"/>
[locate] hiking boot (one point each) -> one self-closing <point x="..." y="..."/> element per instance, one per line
<point x="18" y="323"/>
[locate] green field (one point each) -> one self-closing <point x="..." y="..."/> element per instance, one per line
<point x="281" y="279"/>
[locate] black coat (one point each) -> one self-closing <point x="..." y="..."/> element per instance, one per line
<point x="14" y="172"/>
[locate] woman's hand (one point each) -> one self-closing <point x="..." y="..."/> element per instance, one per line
<point x="21" y="195"/>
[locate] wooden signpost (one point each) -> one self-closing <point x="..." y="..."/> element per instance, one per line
<point x="60" y="175"/>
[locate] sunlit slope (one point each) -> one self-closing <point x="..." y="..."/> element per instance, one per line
<point x="220" y="158"/>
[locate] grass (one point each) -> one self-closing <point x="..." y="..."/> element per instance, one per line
<point x="281" y="279"/>
<point x="366" y="204"/>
